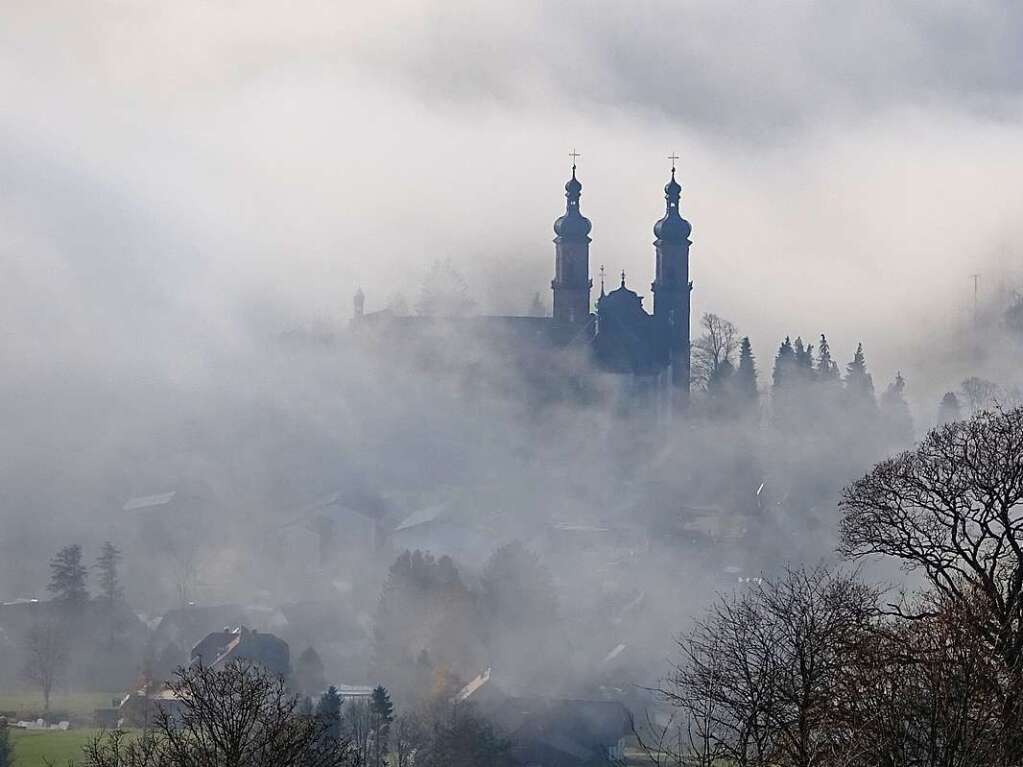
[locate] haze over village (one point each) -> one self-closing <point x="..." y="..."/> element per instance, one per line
<point x="540" y="384"/>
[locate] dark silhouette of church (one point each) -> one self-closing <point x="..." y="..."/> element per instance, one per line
<point x="650" y="349"/>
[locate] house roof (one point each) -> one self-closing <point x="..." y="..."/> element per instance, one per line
<point x="148" y="501"/>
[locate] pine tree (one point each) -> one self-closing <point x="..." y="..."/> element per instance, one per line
<point x="67" y="576"/>
<point x="949" y="409"/>
<point x="745" y="379"/>
<point x="109" y="579"/>
<point x="381" y="715"/>
<point x="859" y="385"/>
<point x="897" y="419"/>
<point x="783" y="363"/>
<point x="827" y="370"/>
<point x="328" y="711"/>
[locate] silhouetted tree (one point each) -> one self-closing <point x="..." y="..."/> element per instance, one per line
<point x="309" y="676"/>
<point x="67" y="576"/>
<point x="827" y="370"/>
<point x="109" y="580"/>
<point x="46" y="656"/>
<point x="462" y="739"/>
<point x="980" y="393"/>
<point x="381" y="712"/>
<point x="715" y="346"/>
<point x="897" y="421"/>
<point x="951" y="510"/>
<point x="237" y="716"/>
<point x="859" y="386"/>
<point x="784" y="364"/>
<point x="328" y="712"/>
<point x="746" y="375"/>
<point x="949" y="409"/>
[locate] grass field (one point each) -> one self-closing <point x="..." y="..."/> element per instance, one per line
<point x="35" y="748"/>
<point x="76" y="707"/>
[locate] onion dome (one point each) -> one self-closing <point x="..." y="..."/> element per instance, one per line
<point x="672" y="228"/>
<point x="573" y="224"/>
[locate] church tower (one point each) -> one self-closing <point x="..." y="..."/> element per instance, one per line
<point x="671" y="286"/>
<point x="572" y="283"/>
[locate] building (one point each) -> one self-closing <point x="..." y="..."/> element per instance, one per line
<point x="243" y="644"/>
<point x="649" y="350"/>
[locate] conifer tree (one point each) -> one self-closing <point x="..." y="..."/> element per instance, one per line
<point x="328" y="711"/>
<point x="109" y="579"/>
<point x="827" y="370"/>
<point x="746" y="376"/>
<point x="67" y="576"/>
<point x="381" y="715"/>
<point x="859" y="385"/>
<point x="949" y="409"/>
<point x="897" y="419"/>
<point x="783" y="363"/>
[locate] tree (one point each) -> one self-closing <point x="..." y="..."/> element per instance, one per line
<point x="67" y="576"/>
<point x="949" y="409"/>
<point x="980" y="393"/>
<point x="746" y="374"/>
<point x="410" y="735"/>
<point x="827" y="370"/>
<point x="462" y="739"/>
<point x="859" y="386"/>
<point x="444" y="292"/>
<point x="328" y="712"/>
<point x="46" y="655"/>
<point x="109" y="580"/>
<point x="6" y="747"/>
<point x="237" y="716"/>
<point x="381" y="712"/>
<point x="715" y="346"/>
<point x="519" y="612"/>
<point x="952" y="510"/>
<point x="309" y="673"/>
<point x="804" y="360"/>
<point x="760" y="677"/>
<point x="897" y="420"/>
<point x="357" y="726"/>
<point x="784" y="364"/>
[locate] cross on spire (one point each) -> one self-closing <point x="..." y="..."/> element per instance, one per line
<point x="673" y="157"/>
<point x="602" y="279"/>
<point x="574" y="155"/>
<point x="623" y="278"/>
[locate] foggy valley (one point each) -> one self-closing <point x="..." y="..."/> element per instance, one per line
<point x="538" y="384"/>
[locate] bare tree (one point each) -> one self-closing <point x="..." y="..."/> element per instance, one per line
<point x="46" y="657"/>
<point x="238" y="716"/>
<point x="716" y="345"/>
<point x="951" y="509"/>
<point x="760" y="676"/>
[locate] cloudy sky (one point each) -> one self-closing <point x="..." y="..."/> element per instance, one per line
<point x="179" y="175"/>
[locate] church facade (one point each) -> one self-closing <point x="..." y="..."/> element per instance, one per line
<point x="651" y="350"/>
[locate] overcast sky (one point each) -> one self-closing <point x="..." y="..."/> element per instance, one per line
<point x="177" y="174"/>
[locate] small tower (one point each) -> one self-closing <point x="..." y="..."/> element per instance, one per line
<point x="359" y="303"/>
<point x="671" y="285"/>
<point x="572" y="283"/>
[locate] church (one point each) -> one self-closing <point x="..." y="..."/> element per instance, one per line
<point x="648" y="350"/>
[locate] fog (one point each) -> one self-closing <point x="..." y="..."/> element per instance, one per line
<point x="188" y="188"/>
